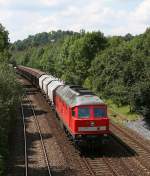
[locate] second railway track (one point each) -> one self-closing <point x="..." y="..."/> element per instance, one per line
<point x="129" y="142"/>
<point x="29" y="107"/>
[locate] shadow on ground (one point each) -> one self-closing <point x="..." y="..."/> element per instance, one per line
<point x="28" y="109"/>
<point x="112" y="147"/>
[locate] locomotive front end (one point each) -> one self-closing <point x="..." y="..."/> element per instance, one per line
<point x="90" y="121"/>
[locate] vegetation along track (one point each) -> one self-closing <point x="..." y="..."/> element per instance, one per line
<point x="42" y="148"/>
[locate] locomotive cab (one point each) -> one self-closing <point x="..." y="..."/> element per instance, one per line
<point x="90" y="121"/>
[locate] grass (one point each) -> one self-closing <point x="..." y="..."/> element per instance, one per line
<point x="120" y="113"/>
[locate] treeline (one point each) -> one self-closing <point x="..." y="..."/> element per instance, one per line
<point x="116" y="68"/>
<point x="41" y="39"/>
<point x="9" y="98"/>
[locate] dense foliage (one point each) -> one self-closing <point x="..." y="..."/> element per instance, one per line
<point x="116" y="68"/>
<point x="9" y="94"/>
<point x="4" y="44"/>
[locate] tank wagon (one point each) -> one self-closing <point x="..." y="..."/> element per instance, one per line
<point x="82" y="113"/>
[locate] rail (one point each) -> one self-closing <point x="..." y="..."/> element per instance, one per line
<point x="41" y="139"/>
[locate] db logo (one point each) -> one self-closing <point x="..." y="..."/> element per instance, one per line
<point x="92" y="124"/>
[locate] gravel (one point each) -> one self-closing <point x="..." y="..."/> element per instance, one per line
<point x="141" y="126"/>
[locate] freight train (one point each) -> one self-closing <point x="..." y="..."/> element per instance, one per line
<point x="82" y="113"/>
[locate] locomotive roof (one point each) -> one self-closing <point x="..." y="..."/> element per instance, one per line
<point x="77" y="95"/>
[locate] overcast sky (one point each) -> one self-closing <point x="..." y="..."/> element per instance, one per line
<point x="112" y="17"/>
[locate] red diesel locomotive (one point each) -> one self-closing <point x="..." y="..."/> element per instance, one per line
<point x="83" y="114"/>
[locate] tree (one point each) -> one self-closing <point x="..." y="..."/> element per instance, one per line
<point x="141" y="98"/>
<point x="4" y="44"/>
<point x="9" y="98"/>
<point x="77" y="54"/>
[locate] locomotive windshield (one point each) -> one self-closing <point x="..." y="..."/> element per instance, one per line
<point x="84" y="112"/>
<point x="99" y="112"/>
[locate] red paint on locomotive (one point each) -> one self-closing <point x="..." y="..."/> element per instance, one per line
<point x="82" y="126"/>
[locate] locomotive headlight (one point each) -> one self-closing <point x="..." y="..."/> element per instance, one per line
<point x="92" y="124"/>
<point x="78" y="136"/>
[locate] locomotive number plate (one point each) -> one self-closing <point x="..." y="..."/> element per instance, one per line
<point x="87" y="128"/>
<point x="100" y="128"/>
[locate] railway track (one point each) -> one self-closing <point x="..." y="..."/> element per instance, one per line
<point x="106" y="160"/>
<point x="49" y="172"/>
<point x="106" y="166"/>
<point x="99" y="167"/>
<point x="141" y="151"/>
<point x="127" y="164"/>
<point x="136" y="139"/>
<point x="25" y="142"/>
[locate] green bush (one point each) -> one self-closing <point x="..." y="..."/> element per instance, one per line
<point x="10" y="92"/>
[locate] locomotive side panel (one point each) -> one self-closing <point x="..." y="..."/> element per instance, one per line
<point x="63" y="111"/>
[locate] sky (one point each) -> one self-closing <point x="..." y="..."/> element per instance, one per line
<point x="112" y="17"/>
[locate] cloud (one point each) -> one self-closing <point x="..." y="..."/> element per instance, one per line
<point x="142" y="13"/>
<point x="51" y="2"/>
<point x="136" y="21"/>
<point x="112" y="17"/>
<point x="94" y="16"/>
<point x="28" y="24"/>
<point x="3" y="2"/>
